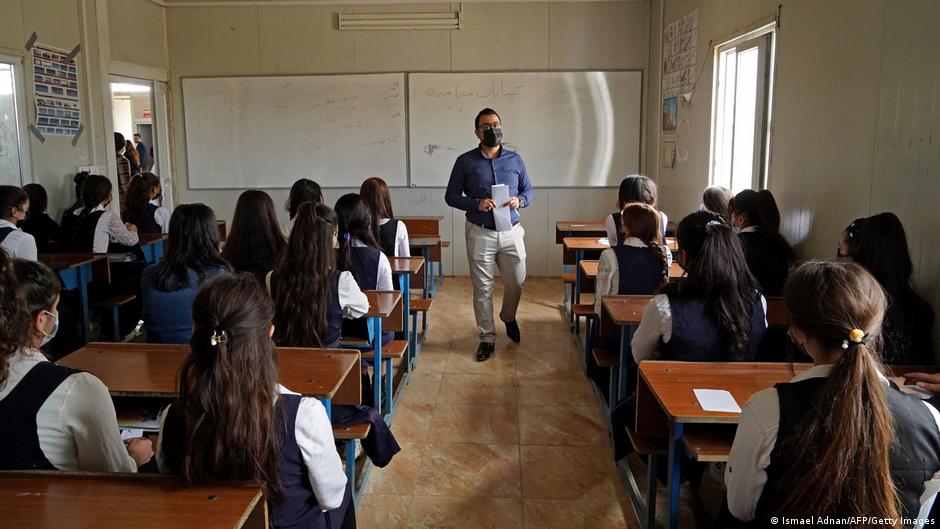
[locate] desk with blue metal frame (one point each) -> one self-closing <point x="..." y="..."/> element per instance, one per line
<point x="383" y="307"/>
<point x="77" y="270"/>
<point x="408" y="270"/>
<point x="151" y="244"/>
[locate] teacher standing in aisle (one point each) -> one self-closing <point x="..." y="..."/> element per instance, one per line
<point x="470" y="189"/>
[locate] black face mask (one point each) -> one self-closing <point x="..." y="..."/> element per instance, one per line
<point x="492" y="137"/>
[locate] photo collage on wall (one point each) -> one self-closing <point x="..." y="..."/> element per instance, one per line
<point x="56" y="92"/>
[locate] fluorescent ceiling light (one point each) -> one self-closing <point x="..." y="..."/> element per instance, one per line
<point x="392" y="21"/>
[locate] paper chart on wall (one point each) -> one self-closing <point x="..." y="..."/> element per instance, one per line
<point x="679" y="55"/>
<point x="56" y="91"/>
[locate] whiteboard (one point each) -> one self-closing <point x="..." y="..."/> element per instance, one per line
<point x="266" y="132"/>
<point x="572" y="128"/>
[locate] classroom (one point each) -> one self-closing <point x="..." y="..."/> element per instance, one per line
<point x="679" y="272"/>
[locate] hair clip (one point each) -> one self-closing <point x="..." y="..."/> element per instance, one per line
<point x="346" y="237"/>
<point x="856" y="337"/>
<point x="711" y="225"/>
<point x="218" y="337"/>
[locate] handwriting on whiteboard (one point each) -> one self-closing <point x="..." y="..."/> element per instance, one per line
<point x="494" y="90"/>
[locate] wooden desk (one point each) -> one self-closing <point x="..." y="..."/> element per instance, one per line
<point x="152" y="370"/>
<point x="151" y="244"/>
<point x="777" y="313"/>
<point x="408" y="270"/>
<point x="77" y="270"/>
<point x="223" y="230"/>
<point x="579" y="228"/>
<point x="581" y="248"/>
<point x="675" y="270"/>
<point x="666" y="404"/>
<point x="672" y="244"/>
<point x="419" y="226"/>
<point x="383" y="307"/>
<point x="587" y="269"/>
<point x="59" y="500"/>
<point x="622" y="314"/>
<point x="429" y="247"/>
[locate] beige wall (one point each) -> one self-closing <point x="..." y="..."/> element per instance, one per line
<point x="137" y="32"/>
<point x="855" y="118"/>
<point x="285" y="40"/>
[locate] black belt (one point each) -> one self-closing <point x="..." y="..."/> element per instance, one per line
<point x="480" y="224"/>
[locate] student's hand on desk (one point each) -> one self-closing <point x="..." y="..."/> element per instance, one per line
<point x="130" y="227"/>
<point x="486" y="204"/>
<point x="513" y="203"/>
<point x="928" y="381"/>
<point x="140" y="449"/>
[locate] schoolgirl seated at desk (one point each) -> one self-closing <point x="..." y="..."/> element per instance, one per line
<point x="141" y="205"/>
<point x="51" y="417"/>
<point x="14" y="205"/>
<point x="97" y="227"/>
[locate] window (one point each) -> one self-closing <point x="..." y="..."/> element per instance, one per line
<point x="741" y="110"/>
<point x="14" y="163"/>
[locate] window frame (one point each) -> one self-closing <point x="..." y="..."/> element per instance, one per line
<point x="21" y="117"/>
<point x="764" y="38"/>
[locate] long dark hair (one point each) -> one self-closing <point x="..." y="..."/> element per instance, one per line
<point x="717" y="272"/>
<point x="303" y="190"/>
<point x="716" y="199"/>
<point x="375" y="194"/>
<point x="95" y="189"/>
<point x="228" y="390"/>
<point x="760" y="210"/>
<point x="642" y="221"/>
<point x="79" y="181"/>
<point x="636" y="188"/>
<point x="13" y="322"/>
<point x="11" y="197"/>
<point x="137" y="197"/>
<point x="879" y="244"/>
<point x="355" y="222"/>
<point x="40" y="287"/>
<point x="193" y="245"/>
<point x="844" y="441"/>
<point x="38" y="199"/>
<point x="301" y="283"/>
<point x="255" y="240"/>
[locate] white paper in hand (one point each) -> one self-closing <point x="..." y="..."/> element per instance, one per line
<point x="716" y="400"/>
<point x="502" y="215"/>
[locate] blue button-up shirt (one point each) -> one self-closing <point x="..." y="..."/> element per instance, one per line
<point x="473" y="177"/>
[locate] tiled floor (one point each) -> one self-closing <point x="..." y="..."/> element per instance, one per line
<point x="516" y="441"/>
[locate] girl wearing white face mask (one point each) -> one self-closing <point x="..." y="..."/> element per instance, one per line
<point x="51" y="417"/>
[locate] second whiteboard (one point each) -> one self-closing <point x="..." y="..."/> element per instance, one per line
<point x="572" y="129"/>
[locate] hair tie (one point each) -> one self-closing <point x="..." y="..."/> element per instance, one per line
<point x="346" y="237"/>
<point x="856" y="337"/>
<point x="711" y="225"/>
<point x="218" y="337"/>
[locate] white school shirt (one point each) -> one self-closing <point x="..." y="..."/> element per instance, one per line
<point x="314" y="435"/>
<point x="656" y="326"/>
<point x="746" y="471"/>
<point x="402" y="247"/>
<point x="608" y="273"/>
<point x="76" y="426"/>
<point x="352" y="300"/>
<point x="111" y="228"/>
<point x="612" y="227"/>
<point x="383" y="278"/>
<point x="18" y="244"/>
<point x="161" y="216"/>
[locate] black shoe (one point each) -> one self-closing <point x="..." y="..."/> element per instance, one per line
<point x="484" y="351"/>
<point x="512" y="331"/>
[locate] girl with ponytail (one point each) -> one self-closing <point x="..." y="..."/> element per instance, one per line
<point x="769" y="256"/>
<point x="715" y="313"/>
<point x="234" y="422"/>
<point x="837" y="440"/>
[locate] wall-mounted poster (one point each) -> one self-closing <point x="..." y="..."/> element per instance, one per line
<point x="56" y="92"/>
<point x="670" y="114"/>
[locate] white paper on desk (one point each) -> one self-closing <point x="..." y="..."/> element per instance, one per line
<point x="502" y="215"/>
<point x="131" y="433"/>
<point x="716" y="400"/>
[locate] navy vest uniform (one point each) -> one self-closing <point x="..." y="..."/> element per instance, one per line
<point x="19" y="441"/>
<point x="365" y="270"/>
<point x="85" y="242"/>
<point x="297" y="508"/>
<point x="335" y="315"/>
<point x="387" y="233"/>
<point x="148" y="224"/>
<point x="5" y="231"/>
<point x="697" y="337"/>
<point x="914" y="456"/>
<point x="641" y="270"/>
<point x="768" y="259"/>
